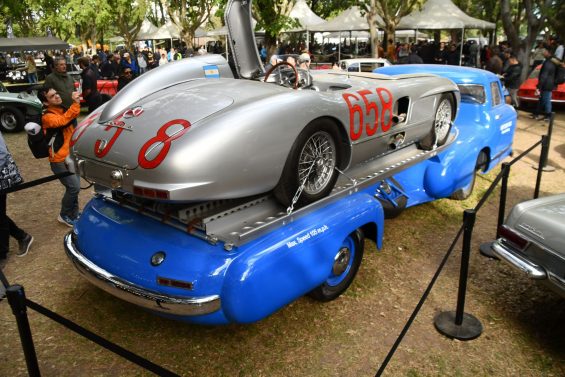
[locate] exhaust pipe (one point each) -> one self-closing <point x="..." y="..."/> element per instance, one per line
<point x="398" y="118"/>
<point x="396" y="141"/>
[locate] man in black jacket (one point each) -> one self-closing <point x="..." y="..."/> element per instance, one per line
<point x="546" y="84"/>
<point x="90" y="91"/>
<point x="512" y="80"/>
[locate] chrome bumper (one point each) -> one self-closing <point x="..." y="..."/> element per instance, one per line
<point x="511" y="257"/>
<point x="175" y="305"/>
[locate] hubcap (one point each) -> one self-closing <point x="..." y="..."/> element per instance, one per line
<point x="443" y="119"/>
<point x="317" y="162"/>
<point x="341" y="261"/>
<point x="8" y="121"/>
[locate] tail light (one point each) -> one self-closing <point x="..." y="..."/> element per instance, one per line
<point x="174" y="283"/>
<point x="150" y="192"/>
<point x="512" y="237"/>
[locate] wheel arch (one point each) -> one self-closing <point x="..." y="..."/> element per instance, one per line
<point x="344" y="144"/>
<point x="487" y="152"/>
<point x="20" y="106"/>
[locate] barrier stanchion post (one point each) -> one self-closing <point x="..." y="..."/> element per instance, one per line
<point x="542" y="162"/>
<point x="458" y="324"/>
<point x="17" y="300"/>
<point x="543" y="156"/>
<point x="485" y="248"/>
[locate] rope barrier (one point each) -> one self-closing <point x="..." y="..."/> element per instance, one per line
<point x="134" y="358"/>
<point x="36" y="182"/>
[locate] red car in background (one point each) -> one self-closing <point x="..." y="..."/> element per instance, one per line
<point x="105" y="87"/>
<point x="527" y="91"/>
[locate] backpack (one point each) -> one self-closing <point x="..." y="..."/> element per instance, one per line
<point x="44" y="140"/>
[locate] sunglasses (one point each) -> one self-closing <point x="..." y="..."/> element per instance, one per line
<point x="127" y="73"/>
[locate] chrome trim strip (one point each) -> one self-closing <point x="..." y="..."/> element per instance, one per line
<point x="175" y="305"/>
<point x="511" y="257"/>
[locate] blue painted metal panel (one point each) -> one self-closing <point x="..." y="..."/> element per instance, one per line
<point x="253" y="280"/>
<point x="482" y="127"/>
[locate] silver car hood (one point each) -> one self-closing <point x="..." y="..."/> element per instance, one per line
<point x="169" y="108"/>
<point x="241" y="39"/>
<point x="162" y="77"/>
<point x="542" y="220"/>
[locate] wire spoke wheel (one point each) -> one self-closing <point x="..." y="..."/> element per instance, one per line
<point x="317" y="162"/>
<point x="442" y="122"/>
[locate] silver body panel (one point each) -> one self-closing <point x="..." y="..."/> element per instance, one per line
<point x="542" y="223"/>
<point x="191" y="130"/>
<point x="240" y="132"/>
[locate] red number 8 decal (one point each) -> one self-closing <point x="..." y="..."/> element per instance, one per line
<point x="165" y="139"/>
<point x="386" y="106"/>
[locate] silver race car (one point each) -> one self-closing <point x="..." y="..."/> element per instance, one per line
<point x="191" y="131"/>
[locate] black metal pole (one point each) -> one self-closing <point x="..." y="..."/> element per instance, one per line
<point x="469" y="217"/>
<point x="458" y="324"/>
<point x="17" y="300"/>
<point x="549" y="132"/>
<point x="503" y="190"/>
<point x="542" y="163"/>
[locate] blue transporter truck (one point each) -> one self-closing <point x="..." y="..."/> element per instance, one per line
<point x="233" y="261"/>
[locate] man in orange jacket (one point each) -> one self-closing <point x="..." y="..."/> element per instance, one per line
<point x="56" y="116"/>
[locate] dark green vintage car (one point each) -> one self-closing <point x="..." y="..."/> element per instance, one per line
<point x="16" y="109"/>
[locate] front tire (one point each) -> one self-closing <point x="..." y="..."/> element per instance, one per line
<point x="442" y="124"/>
<point x="312" y="159"/>
<point x="11" y="119"/>
<point x="346" y="264"/>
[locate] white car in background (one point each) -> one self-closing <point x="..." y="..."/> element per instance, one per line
<point x="363" y="64"/>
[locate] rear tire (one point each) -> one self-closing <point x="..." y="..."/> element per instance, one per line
<point x="316" y="152"/>
<point x="347" y="261"/>
<point x="11" y="119"/>
<point x="464" y="192"/>
<point x="442" y="124"/>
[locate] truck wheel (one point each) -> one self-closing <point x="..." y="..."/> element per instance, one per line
<point x="442" y="124"/>
<point x="11" y="119"/>
<point x="312" y="159"/>
<point x="481" y="165"/>
<point x="346" y="264"/>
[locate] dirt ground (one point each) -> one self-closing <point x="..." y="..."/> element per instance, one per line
<point x="351" y="336"/>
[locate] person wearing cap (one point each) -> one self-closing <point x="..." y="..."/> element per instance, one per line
<point x="304" y="61"/>
<point x="128" y="62"/>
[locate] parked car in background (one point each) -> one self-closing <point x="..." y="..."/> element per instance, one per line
<point x="486" y="126"/>
<point x="532" y="240"/>
<point x="107" y="88"/>
<point x="526" y="92"/>
<point x="16" y="109"/>
<point x="363" y="64"/>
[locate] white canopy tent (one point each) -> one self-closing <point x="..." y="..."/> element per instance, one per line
<point x="146" y="31"/>
<point x="349" y="20"/>
<point x="442" y="14"/>
<point x="307" y="19"/>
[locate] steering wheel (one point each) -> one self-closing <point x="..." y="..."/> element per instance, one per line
<point x="281" y="64"/>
